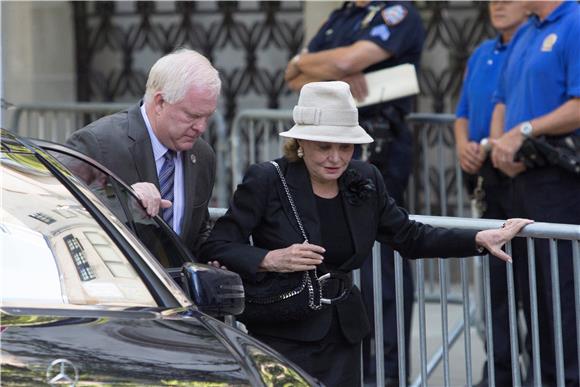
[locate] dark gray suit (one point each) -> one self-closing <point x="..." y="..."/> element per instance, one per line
<point x="121" y="143"/>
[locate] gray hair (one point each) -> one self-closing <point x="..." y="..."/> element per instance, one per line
<point x="174" y="73"/>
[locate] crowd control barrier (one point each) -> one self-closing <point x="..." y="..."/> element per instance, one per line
<point x="438" y="365"/>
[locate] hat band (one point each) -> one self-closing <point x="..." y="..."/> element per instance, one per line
<point x="306" y="115"/>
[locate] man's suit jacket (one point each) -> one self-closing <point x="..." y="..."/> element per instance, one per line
<point x="260" y="209"/>
<point x="121" y="143"/>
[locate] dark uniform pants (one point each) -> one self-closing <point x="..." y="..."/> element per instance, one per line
<point x="498" y="201"/>
<point x="552" y="195"/>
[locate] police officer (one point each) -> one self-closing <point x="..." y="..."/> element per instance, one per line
<point x="361" y="37"/>
<point x="539" y="95"/>
<point x="473" y="114"/>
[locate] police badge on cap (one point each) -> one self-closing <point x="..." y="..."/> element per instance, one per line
<point x="394" y="15"/>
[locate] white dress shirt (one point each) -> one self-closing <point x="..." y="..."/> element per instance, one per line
<point x="178" y="189"/>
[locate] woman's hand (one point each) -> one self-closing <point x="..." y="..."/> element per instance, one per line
<point x="217" y="264"/>
<point x="494" y="239"/>
<point x="298" y="257"/>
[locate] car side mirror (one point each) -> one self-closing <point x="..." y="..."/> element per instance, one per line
<point x="214" y="291"/>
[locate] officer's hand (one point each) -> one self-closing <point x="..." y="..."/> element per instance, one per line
<point x="471" y="156"/>
<point x="358" y="85"/>
<point x="494" y="239"/>
<point x="504" y="148"/>
<point x="150" y="197"/>
<point x="292" y="69"/>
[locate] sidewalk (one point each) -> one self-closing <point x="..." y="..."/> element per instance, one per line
<point x="457" y="360"/>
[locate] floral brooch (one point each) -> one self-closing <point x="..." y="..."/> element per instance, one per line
<point x="356" y="189"/>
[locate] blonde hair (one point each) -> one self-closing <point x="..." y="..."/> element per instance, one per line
<point x="174" y="73"/>
<point x="290" y="149"/>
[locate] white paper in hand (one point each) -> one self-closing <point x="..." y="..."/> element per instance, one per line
<point x="389" y="84"/>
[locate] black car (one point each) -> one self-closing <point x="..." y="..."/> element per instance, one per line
<point x="84" y="301"/>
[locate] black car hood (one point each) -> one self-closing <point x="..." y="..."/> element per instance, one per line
<point x="135" y="348"/>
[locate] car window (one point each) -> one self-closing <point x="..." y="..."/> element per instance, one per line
<point x="53" y="251"/>
<point x="160" y="240"/>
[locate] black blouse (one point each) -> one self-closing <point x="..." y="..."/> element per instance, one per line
<point x="336" y="238"/>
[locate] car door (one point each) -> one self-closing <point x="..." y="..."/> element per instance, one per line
<point x="155" y="234"/>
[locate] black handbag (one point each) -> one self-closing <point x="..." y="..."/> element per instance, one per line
<point x="278" y="297"/>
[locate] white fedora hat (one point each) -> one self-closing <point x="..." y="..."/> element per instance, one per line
<point x="326" y="112"/>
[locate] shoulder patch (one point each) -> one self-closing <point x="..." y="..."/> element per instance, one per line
<point x="381" y="31"/>
<point x="394" y="15"/>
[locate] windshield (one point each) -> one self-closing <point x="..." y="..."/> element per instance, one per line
<point x="53" y="251"/>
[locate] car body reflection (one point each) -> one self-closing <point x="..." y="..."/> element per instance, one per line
<point x="85" y="302"/>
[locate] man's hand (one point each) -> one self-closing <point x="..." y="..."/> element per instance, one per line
<point x="358" y="85"/>
<point x="298" y="257"/>
<point x="504" y="150"/>
<point x="150" y="197"/>
<point x="292" y="70"/>
<point x="471" y="156"/>
<point x="494" y="239"/>
<point x="505" y="147"/>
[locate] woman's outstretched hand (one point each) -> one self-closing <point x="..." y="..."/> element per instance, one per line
<point x="298" y="257"/>
<point x="494" y="239"/>
<point x="217" y="265"/>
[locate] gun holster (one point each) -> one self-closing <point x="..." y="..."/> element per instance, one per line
<point x="384" y="126"/>
<point x="563" y="152"/>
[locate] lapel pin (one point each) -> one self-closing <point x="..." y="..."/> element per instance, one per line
<point x="193" y="159"/>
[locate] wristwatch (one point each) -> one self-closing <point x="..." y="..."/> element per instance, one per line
<point x="526" y="129"/>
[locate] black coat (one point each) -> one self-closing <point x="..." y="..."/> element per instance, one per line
<point x="261" y="209"/>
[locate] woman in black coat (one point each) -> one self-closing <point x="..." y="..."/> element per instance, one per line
<point x="344" y="207"/>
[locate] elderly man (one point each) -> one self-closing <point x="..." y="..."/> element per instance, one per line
<point x="156" y="145"/>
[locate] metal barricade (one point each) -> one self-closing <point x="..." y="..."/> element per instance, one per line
<point x="57" y="121"/>
<point x="460" y="370"/>
<point x="554" y="233"/>
<point x="436" y="184"/>
<point x="254" y="138"/>
<point x="436" y="188"/>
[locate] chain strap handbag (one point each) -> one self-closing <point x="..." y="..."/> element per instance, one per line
<point x="290" y="296"/>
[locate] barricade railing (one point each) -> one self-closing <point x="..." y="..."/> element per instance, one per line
<point x="554" y="234"/>
<point x="436" y="169"/>
<point x="254" y="138"/>
<point x="430" y="360"/>
<point x="56" y="122"/>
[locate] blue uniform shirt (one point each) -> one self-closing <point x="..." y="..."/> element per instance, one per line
<point x="479" y="84"/>
<point x="394" y="26"/>
<point x="542" y="70"/>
